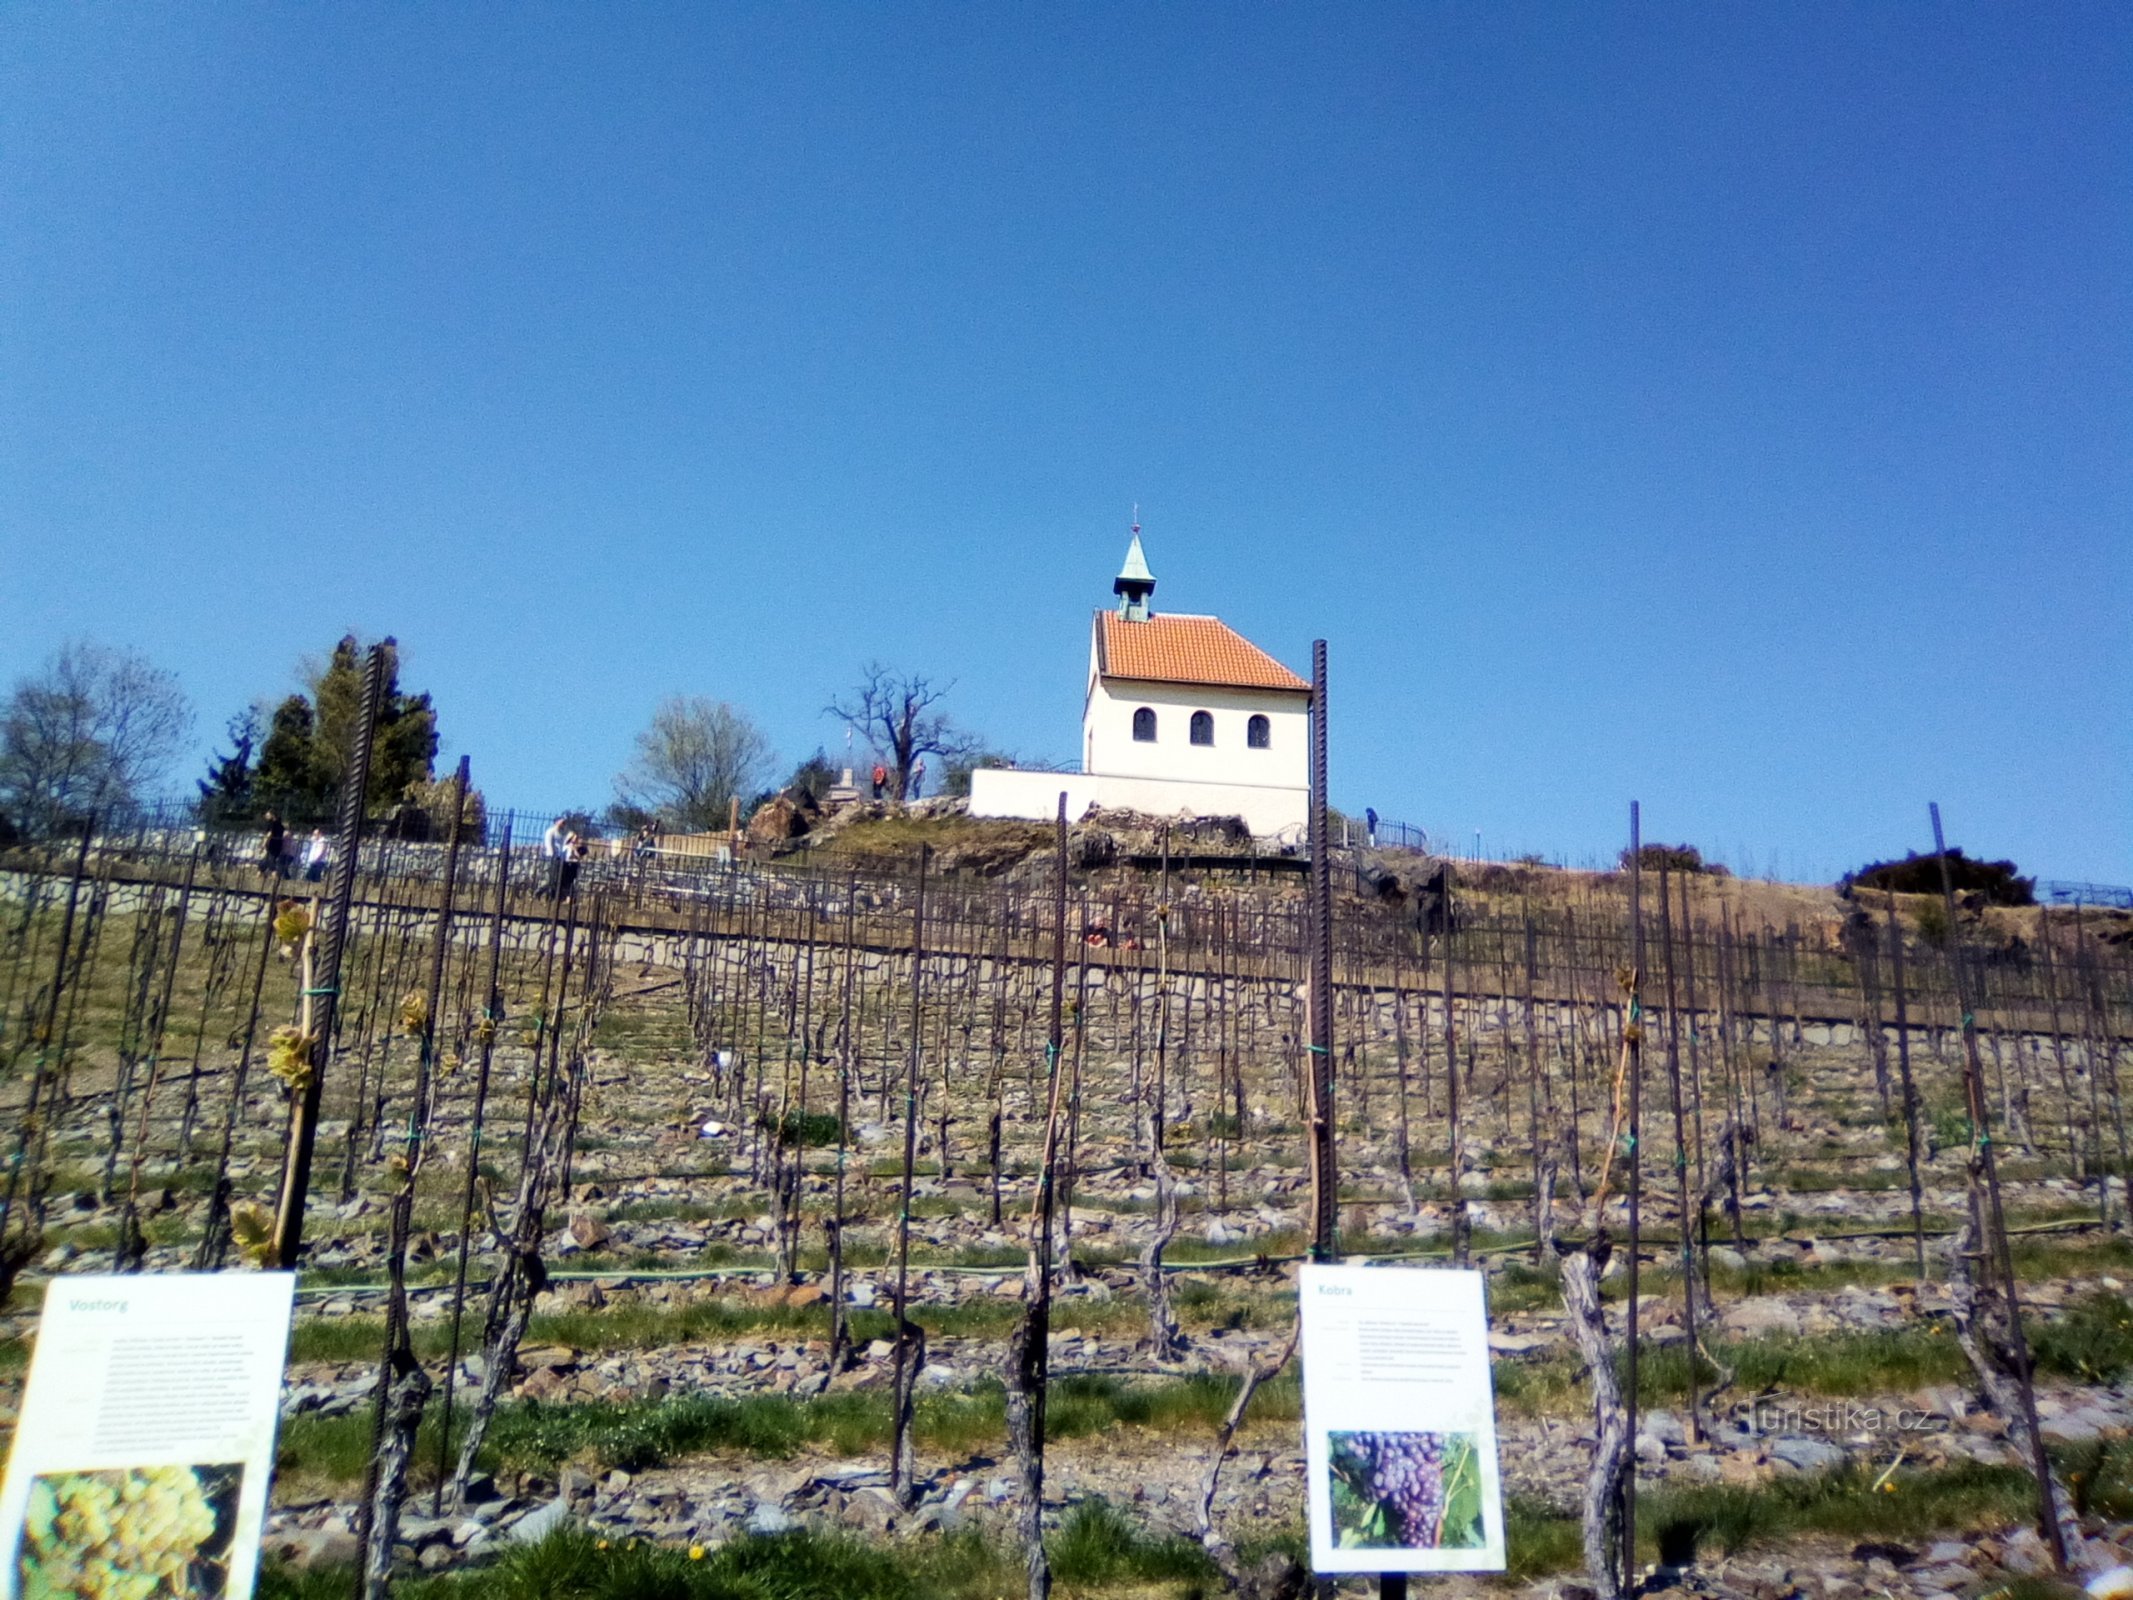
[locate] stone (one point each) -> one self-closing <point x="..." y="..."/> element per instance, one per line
<point x="767" y="1518"/>
<point x="1896" y="1555"/>
<point x="333" y="1545"/>
<point x="587" y="1231"/>
<point x="546" y="1383"/>
<point x="1517" y="1344"/>
<point x="2075" y="1427"/>
<point x="1663" y="1426"/>
<point x="782" y="818"/>
<point x="1743" y="1467"/>
<point x="2025" y="1552"/>
<point x="535" y="1526"/>
<point x="871" y="1510"/>
<point x="1762" y="1317"/>
<point x="418" y="1530"/>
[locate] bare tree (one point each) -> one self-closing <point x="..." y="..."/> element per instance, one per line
<point x="693" y="760"/>
<point x="95" y="728"/>
<point x="894" y="710"/>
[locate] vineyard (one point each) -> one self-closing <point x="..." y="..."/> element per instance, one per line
<point x="894" y="1219"/>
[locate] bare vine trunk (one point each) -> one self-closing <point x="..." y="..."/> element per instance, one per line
<point x="1248" y="1385"/>
<point x="1166" y="1341"/>
<point x="1609" y="1553"/>
<point x="1980" y="1317"/>
<point x="520" y="1278"/>
<point x="409" y="1393"/>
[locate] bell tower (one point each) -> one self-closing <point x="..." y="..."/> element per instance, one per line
<point x="1134" y="583"/>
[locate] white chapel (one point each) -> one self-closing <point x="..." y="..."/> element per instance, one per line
<point x="1183" y="716"/>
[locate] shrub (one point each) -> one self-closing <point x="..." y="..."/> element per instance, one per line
<point x="1996" y="881"/>
<point x="1674" y="858"/>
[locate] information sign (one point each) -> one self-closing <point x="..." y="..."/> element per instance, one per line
<point x="141" y="1462"/>
<point x="1399" y="1421"/>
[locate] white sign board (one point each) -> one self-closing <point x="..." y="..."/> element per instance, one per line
<point x="1399" y="1421"/>
<point x="142" y="1458"/>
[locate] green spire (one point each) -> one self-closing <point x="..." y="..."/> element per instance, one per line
<point x="1135" y="583"/>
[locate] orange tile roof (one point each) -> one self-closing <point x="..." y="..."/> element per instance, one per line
<point x="1185" y="649"/>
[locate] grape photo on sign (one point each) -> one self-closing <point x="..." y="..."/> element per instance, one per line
<point x="1406" y="1491"/>
<point x="1399" y="1420"/>
<point x="129" y="1533"/>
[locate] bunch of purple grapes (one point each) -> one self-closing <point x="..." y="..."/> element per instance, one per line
<point x="1407" y="1478"/>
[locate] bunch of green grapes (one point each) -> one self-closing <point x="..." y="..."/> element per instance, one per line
<point x="125" y="1535"/>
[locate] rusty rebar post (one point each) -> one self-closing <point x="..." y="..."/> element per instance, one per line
<point x="325" y="987"/>
<point x="1325" y="1171"/>
<point x="909" y="1350"/>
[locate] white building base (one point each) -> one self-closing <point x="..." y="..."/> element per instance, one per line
<point x="1012" y="792"/>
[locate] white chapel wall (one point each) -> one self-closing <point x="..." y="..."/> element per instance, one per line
<point x="1109" y="747"/>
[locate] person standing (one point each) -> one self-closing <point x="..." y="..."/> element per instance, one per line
<point x="881" y="779"/>
<point x="317" y="852"/>
<point x="575" y="850"/>
<point x="271" y="860"/>
<point x="918" y="777"/>
<point x="555" y="847"/>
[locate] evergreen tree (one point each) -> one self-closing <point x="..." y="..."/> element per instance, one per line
<point x="226" y="791"/>
<point x="404" y="746"/>
<point x="288" y="777"/>
<point x="308" y="741"/>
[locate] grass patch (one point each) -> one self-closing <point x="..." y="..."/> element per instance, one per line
<point x="1728" y="1518"/>
<point x="1096" y="1550"/>
<point x="1099" y="1545"/>
<point x="649" y="1433"/>
<point x="1964" y="1498"/>
<point x="1202" y="1306"/>
<point x="811" y="1129"/>
<point x="2092" y="1341"/>
<point x="1539" y="1539"/>
<point x="574" y="1565"/>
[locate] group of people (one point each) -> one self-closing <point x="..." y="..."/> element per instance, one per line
<point x="566" y="851"/>
<point x="281" y="852"/>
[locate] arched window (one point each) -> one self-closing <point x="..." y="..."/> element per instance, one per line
<point x="1258" y="733"/>
<point x="1203" y="727"/>
<point x="1144" y="726"/>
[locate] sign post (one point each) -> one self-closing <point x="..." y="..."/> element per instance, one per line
<point x="146" y="1442"/>
<point x="1399" y="1422"/>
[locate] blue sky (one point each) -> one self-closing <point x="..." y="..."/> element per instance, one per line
<point x="1725" y="407"/>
